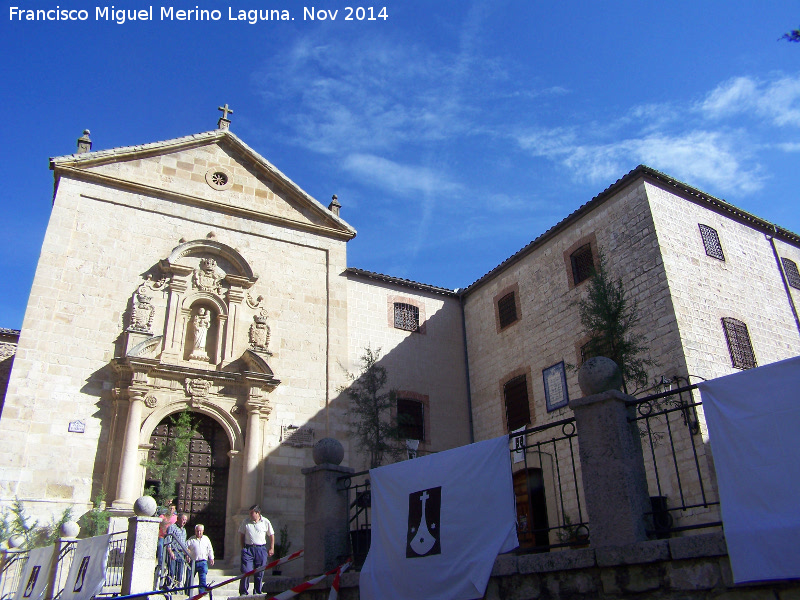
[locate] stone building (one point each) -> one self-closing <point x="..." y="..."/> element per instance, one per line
<point x="193" y="274"/>
<point x="8" y="348"/>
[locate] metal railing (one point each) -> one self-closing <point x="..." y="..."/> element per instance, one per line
<point x="359" y="503"/>
<point x="174" y="573"/>
<point x="548" y="489"/>
<point x="680" y="472"/>
<point x="13" y="563"/>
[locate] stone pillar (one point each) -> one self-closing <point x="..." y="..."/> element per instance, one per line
<point x="128" y="479"/>
<point x="140" y="555"/>
<point x="612" y="466"/>
<point x="326" y="528"/>
<point x="252" y="450"/>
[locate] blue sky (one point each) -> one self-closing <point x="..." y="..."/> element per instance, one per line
<point x="452" y="132"/>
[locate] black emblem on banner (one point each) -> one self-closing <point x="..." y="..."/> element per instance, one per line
<point x="81" y="574"/>
<point x="424" y="512"/>
<point x="31" y="582"/>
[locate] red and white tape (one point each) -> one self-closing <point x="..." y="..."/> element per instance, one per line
<point x="271" y="565"/>
<point x="312" y="582"/>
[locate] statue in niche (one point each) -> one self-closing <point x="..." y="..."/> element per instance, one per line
<point x="259" y="333"/>
<point x="201" y="323"/>
<point x="142" y="313"/>
<point x="208" y="276"/>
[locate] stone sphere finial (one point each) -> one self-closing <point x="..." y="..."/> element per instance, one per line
<point x="70" y="530"/>
<point x="16" y="541"/>
<point x="328" y="451"/>
<point x="599" y="374"/>
<point x="145" y="506"/>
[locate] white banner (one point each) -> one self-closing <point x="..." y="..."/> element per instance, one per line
<point x="753" y="424"/>
<point x="34" y="577"/>
<point x="439" y="522"/>
<point x="88" y="570"/>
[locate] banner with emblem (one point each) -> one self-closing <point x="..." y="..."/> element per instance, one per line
<point x="88" y="570"/>
<point x="35" y="574"/>
<point x="753" y="420"/>
<point x="439" y="522"/>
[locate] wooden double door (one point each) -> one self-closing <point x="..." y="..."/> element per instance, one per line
<point x="203" y="479"/>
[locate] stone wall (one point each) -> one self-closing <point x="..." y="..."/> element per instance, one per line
<point x="695" y="568"/>
<point x="747" y="285"/>
<point x="427" y="365"/>
<point x="8" y="348"/>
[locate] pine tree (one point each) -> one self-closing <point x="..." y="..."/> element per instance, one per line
<point x="370" y="410"/>
<point x="610" y="319"/>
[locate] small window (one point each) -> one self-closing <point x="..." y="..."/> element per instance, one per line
<point x="507" y="310"/>
<point x="406" y="316"/>
<point x="518" y="412"/>
<point x="582" y="264"/>
<point x="410" y="419"/>
<point x="792" y="275"/>
<point x="711" y="242"/>
<point x="742" y="356"/>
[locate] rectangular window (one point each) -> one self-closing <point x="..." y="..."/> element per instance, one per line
<point x="411" y="419"/>
<point x="582" y="264"/>
<point x="711" y="242"/>
<point x="406" y="316"/>
<point x="518" y="412"/>
<point x="739" y="346"/>
<point x="507" y="310"/>
<point x="792" y="275"/>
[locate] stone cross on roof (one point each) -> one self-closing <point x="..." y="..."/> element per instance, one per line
<point x="224" y="122"/>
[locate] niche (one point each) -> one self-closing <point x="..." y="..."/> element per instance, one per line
<point x="202" y="334"/>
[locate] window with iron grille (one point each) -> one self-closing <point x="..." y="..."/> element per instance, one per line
<point x="792" y="275"/>
<point x="507" y="310"/>
<point x="410" y="419"/>
<point x="406" y="316"/>
<point x="711" y="242"/>
<point x="518" y="412"/>
<point x="582" y="264"/>
<point x="742" y="356"/>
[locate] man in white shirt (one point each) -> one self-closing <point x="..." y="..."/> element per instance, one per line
<point x="253" y="534"/>
<point x="200" y="548"/>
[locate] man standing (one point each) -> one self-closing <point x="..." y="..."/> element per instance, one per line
<point x="253" y="534"/>
<point x="176" y="536"/>
<point x="203" y="555"/>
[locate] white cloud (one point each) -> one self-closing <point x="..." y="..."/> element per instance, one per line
<point x="777" y="101"/>
<point x="398" y="179"/>
<point x="698" y="156"/>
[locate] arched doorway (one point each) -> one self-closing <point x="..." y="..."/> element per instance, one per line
<point x="203" y="481"/>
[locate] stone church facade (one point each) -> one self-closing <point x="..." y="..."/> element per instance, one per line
<point x="193" y="274"/>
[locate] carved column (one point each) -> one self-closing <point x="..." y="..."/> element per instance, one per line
<point x="235" y="298"/>
<point x="252" y="448"/>
<point x="127" y="483"/>
<point x="176" y="321"/>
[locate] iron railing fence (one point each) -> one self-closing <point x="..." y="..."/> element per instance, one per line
<point x="548" y="489"/>
<point x="14" y="564"/>
<point x="680" y="472"/>
<point x="359" y="503"/>
<point x="117" y="546"/>
<point x="10" y="572"/>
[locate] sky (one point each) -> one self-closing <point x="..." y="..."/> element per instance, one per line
<point x="452" y="132"/>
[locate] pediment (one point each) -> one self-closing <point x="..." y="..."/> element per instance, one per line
<point x="215" y="170"/>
